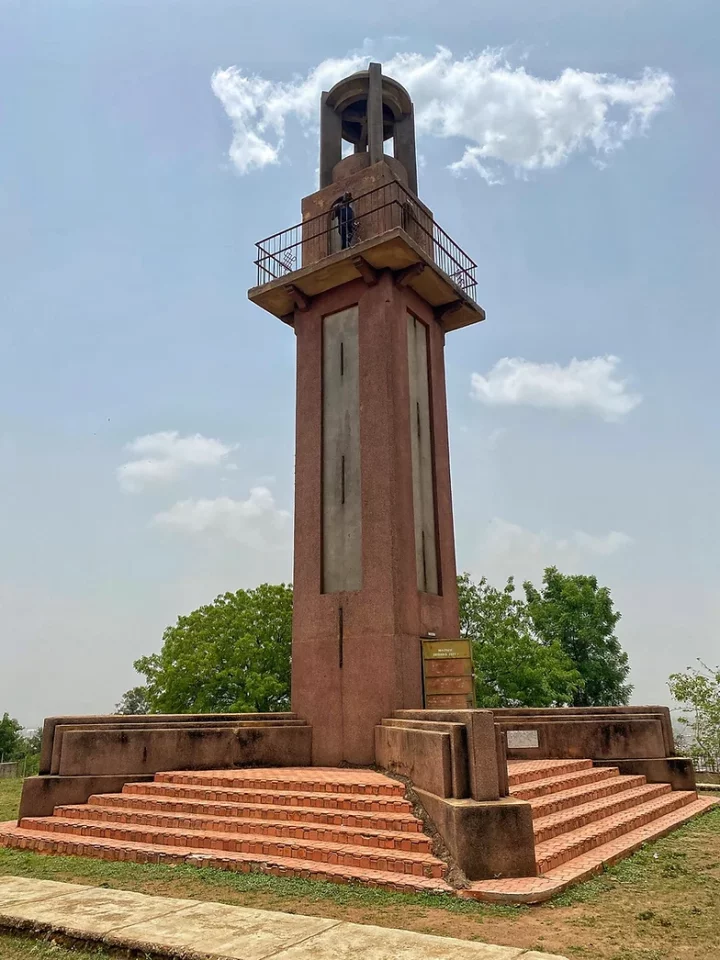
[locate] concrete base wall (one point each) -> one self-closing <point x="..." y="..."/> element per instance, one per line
<point x="82" y="756"/>
<point x="604" y="738"/>
<point x="100" y="752"/>
<point x="492" y="839"/>
<point x="677" y="771"/>
<point x="40" y="795"/>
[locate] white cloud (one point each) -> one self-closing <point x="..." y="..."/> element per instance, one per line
<point x="507" y="117"/>
<point x="510" y="549"/>
<point x="589" y="385"/>
<point x="603" y="545"/>
<point x="161" y="457"/>
<point x="256" y="522"/>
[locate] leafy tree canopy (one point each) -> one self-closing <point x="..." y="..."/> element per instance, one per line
<point x="134" y="702"/>
<point x="232" y="655"/>
<point x="698" y="693"/>
<point x="512" y="668"/>
<point x="573" y="611"/>
<point x="11" y="739"/>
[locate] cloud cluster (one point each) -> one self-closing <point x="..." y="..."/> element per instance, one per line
<point x="256" y="522"/>
<point x="587" y="385"/>
<point x="510" y="549"/>
<point x="161" y="457"/>
<point x="508" y="118"/>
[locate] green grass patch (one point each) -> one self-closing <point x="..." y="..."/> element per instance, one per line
<point x="10" y="791"/>
<point x="17" y="946"/>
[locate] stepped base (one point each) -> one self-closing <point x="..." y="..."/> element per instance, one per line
<point x="356" y="826"/>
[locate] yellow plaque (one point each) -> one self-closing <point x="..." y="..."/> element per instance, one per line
<point x="446" y="649"/>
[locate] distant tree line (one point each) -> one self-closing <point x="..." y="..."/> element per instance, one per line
<point x="16" y="744"/>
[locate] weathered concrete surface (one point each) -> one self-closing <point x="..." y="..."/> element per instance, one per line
<point x="40" y="795"/>
<point x="606" y="738"/>
<point x="487" y="767"/>
<point x="677" y="771"/>
<point x="213" y="931"/>
<point x="486" y="840"/>
<point x="421" y="755"/>
<point x="459" y="765"/>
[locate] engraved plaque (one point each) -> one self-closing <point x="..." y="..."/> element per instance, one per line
<point x="446" y="649"/>
<point x="522" y="739"/>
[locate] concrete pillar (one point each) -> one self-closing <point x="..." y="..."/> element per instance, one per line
<point x="404" y="135"/>
<point x="330" y="141"/>
<point x="375" y="113"/>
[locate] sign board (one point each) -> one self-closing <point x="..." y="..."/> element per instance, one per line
<point x="448" y="682"/>
<point x="522" y="739"/>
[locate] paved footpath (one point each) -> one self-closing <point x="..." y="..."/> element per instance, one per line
<point x="195" y="930"/>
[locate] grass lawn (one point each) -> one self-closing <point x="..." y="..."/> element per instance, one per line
<point x="17" y="947"/>
<point x="661" y="904"/>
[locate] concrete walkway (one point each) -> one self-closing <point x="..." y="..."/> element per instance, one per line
<point x="197" y="930"/>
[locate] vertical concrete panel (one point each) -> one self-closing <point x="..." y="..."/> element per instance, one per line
<point x="422" y="457"/>
<point x="341" y="497"/>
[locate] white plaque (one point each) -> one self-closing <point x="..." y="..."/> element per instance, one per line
<point x="522" y="739"/>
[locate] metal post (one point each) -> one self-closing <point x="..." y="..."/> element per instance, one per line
<point x="375" y="113"/>
<point x="405" y="148"/>
<point x="330" y="141"/>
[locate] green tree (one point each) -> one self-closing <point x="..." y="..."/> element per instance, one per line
<point x="698" y="693"/>
<point x="573" y="611"/>
<point x="10" y="739"/>
<point x="134" y="702"/>
<point x="512" y="669"/>
<point x="231" y="655"/>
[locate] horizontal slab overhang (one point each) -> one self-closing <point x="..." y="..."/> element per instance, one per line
<point x="393" y="250"/>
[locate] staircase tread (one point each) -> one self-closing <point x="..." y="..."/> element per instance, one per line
<point x="614" y="786"/>
<point x="527" y="771"/>
<point x="589" y="833"/>
<point x="603" y="803"/>
<point x="227" y="860"/>
<point x="397" y="816"/>
<point x="404" y="836"/>
<point x="567" y="780"/>
<point x="319" y="780"/>
<point x="153" y="788"/>
<point x="33" y="823"/>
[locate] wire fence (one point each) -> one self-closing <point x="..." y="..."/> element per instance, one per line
<point x="352" y="220"/>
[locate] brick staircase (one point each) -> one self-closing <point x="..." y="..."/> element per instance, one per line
<point x="356" y="826"/>
<point x="584" y="818"/>
<point x="338" y="825"/>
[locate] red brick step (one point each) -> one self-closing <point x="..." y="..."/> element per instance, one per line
<point x="557" y="851"/>
<point x="373" y="819"/>
<point x="545" y="828"/>
<point x="525" y="771"/>
<point x="281" y="798"/>
<point x="555" y="802"/>
<point x="366" y="837"/>
<point x="566" y="781"/>
<point x="49" y="842"/>
<point x="394" y="861"/>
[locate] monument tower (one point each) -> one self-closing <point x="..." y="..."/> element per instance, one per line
<point x="371" y="285"/>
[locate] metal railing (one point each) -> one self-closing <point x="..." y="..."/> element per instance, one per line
<point x="706" y="764"/>
<point x="360" y="218"/>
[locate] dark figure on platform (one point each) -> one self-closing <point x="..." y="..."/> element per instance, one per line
<point x="345" y="216"/>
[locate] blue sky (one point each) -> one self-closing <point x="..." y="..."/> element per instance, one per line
<point x="126" y="249"/>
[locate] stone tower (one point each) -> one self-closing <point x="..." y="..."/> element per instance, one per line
<point x="371" y="285"/>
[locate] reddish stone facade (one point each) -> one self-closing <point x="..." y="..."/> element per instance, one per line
<point x="344" y="683"/>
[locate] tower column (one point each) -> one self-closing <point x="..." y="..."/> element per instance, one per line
<point x="362" y="598"/>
